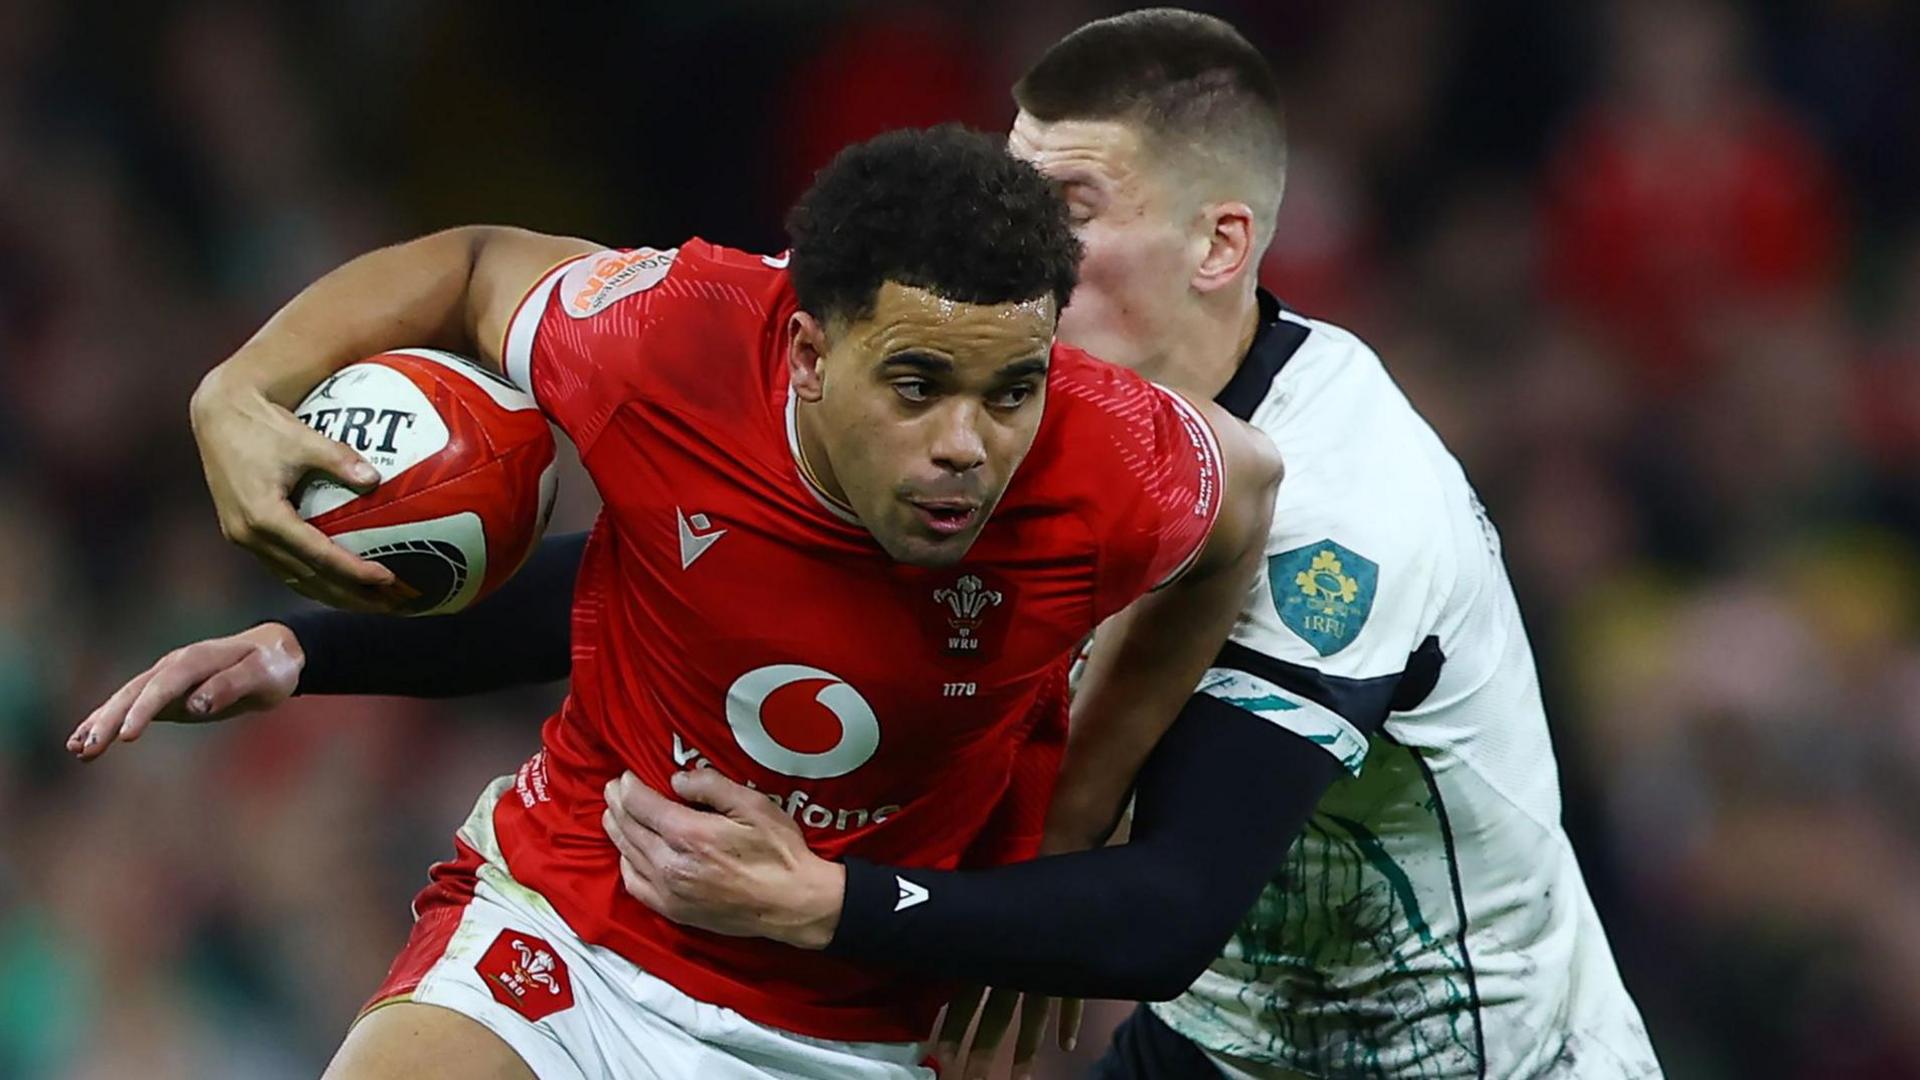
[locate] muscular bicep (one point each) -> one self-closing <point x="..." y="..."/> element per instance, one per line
<point x="1253" y="472"/>
<point x="507" y="263"/>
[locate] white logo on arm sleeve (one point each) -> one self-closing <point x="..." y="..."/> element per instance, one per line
<point x="910" y="894"/>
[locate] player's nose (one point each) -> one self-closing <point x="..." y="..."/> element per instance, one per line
<point x="957" y="445"/>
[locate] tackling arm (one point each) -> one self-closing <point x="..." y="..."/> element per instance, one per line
<point x="519" y="636"/>
<point x="1220" y="801"/>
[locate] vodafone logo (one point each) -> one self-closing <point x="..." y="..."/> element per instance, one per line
<point x="802" y="721"/>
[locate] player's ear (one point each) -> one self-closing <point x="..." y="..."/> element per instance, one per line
<point x="806" y="349"/>
<point x="1225" y="242"/>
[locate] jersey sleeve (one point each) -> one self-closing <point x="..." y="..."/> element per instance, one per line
<point x="577" y="337"/>
<point x="1170" y="459"/>
<point x="1338" y="631"/>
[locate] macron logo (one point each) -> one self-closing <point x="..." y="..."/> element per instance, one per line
<point x="695" y="544"/>
<point x="910" y="894"/>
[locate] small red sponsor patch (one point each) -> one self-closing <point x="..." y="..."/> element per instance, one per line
<point x="526" y="975"/>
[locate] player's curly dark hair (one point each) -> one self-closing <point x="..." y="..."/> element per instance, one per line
<point x="945" y="209"/>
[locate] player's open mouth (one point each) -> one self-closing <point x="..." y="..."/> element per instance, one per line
<point x="945" y="516"/>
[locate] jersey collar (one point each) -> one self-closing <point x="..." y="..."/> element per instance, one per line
<point x="832" y="505"/>
<point x="1274" y="343"/>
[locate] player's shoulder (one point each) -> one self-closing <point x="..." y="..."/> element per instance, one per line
<point x="1106" y="426"/>
<point x="1373" y="502"/>
<point x="1088" y="397"/>
<point x="1135" y="464"/>
<point x="696" y="277"/>
<point x="694" y="328"/>
<point x="1360" y="457"/>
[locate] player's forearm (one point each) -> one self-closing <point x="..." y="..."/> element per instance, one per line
<point x="1221" y="799"/>
<point x="521" y="635"/>
<point x="408" y="295"/>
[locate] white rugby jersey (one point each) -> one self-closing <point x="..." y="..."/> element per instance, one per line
<point x="1431" y="920"/>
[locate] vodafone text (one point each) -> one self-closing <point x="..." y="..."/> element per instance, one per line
<point x="798" y="804"/>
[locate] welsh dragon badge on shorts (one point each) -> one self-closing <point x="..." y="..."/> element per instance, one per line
<point x="525" y="974"/>
<point x="1324" y="593"/>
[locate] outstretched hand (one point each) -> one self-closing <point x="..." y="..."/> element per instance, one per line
<point x="208" y="680"/>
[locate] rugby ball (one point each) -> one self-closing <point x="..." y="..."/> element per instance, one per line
<point x="466" y="473"/>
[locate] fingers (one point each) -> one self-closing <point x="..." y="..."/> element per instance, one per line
<point x="953" y="1029"/>
<point x="301" y="578"/>
<point x="245" y="683"/>
<point x="645" y="854"/>
<point x="292" y="573"/>
<point x="202" y="681"/>
<point x="279" y="519"/>
<point x="329" y="560"/>
<point x="706" y="787"/>
<point x="278" y="528"/>
<point x="1034" y="1011"/>
<point x="637" y="872"/>
<point x="286" y="565"/>
<point x="639" y="843"/>
<point x="294" y="550"/>
<point x="1068" y="1029"/>
<point x="102" y="725"/>
<point x="995" y="1016"/>
<point x="222" y="691"/>
<point x="338" y="460"/>
<point x="679" y="825"/>
<point x="255" y="453"/>
<point x="179" y="672"/>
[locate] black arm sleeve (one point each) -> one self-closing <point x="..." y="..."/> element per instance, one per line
<point x="522" y="634"/>
<point x="1218" y="803"/>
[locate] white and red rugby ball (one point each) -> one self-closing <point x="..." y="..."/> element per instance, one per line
<point x="466" y="473"/>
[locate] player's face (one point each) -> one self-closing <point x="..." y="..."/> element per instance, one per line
<point x="1138" y="225"/>
<point x="927" y="407"/>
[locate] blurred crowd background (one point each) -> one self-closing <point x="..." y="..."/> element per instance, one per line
<point x="1652" y="269"/>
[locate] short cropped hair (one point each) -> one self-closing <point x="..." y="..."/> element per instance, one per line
<point x="945" y="209"/>
<point x="1189" y="82"/>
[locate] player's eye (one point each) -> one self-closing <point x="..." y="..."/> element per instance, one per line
<point x="1012" y="397"/>
<point x="914" y="390"/>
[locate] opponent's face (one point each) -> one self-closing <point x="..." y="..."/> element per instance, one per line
<point x="925" y="408"/>
<point x="1140" y="228"/>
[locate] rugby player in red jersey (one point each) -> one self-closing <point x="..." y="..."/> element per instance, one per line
<point x="860" y="508"/>
<point x="1162" y="129"/>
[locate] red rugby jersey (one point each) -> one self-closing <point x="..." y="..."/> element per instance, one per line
<point x="728" y="615"/>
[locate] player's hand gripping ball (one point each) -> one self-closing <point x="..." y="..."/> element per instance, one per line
<point x="466" y="474"/>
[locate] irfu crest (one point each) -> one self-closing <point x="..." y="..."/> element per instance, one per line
<point x="1323" y="592"/>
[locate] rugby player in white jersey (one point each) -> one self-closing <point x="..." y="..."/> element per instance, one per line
<point x="1381" y="838"/>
